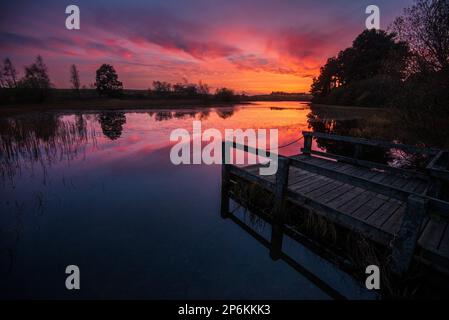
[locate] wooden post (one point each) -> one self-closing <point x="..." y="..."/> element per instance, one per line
<point x="225" y="183"/>
<point x="307" y="143"/>
<point x="405" y="242"/>
<point x="280" y="194"/>
<point x="435" y="187"/>
<point x="358" y="151"/>
<point x="276" y="242"/>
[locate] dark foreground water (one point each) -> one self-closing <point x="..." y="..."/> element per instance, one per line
<point x="98" y="190"/>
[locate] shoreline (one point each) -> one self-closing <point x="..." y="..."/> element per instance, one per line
<point x="118" y="104"/>
<point x="112" y="104"/>
<point x="147" y="104"/>
<point x="336" y="107"/>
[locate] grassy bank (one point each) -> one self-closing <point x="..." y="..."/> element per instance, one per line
<point x="111" y="104"/>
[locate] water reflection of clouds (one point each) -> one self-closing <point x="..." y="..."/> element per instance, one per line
<point x="53" y="138"/>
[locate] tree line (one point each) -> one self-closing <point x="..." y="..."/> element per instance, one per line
<point x="35" y="85"/>
<point x="162" y="89"/>
<point x="405" y="67"/>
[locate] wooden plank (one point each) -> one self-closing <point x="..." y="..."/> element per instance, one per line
<point x="354" y="171"/>
<point x="435" y="162"/>
<point x="370" y="207"/>
<point x="439" y="174"/>
<point x="432" y="234"/>
<point x="421" y="187"/>
<point x="412" y="184"/>
<point x="351" y="194"/>
<point x="374" y="174"/>
<point x="369" y="174"/>
<point x="407" y="237"/>
<point x="329" y="196"/>
<point x="339" y="218"/>
<point x="439" y="206"/>
<point x="389" y="179"/>
<point x="326" y="188"/>
<point x="356" y="181"/>
<point x="443" y="249"/>
<point x="382" y="214"/>
<point x="342" y="219"/>
<point x="304" y="188"/>
<point x="356" y="203"/>
<point x="349" y="169"/>
<point x="322" y="162"/>
<point x="379" y="177"/>
<point x="343" y="167"/>
<point x="401" y="182"/>
<point x="309" y="179"/>
<point x="303" y="175"/>
<point x="393" y="224"/>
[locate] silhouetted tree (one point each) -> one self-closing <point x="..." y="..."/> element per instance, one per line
<point x="224" y="94"/>
<point x="421" y="103"/>
<point x="74" y="77"/>
<point x="203" y="89"/>
<point x="328" y="79"/>
<point x="185" y="90"/>
<point x="36" y="75"/>
<point x="107" y="82"/>
<point x="36" y="80"/>
<point x="161" y="88"/>
<point x="360" y="74"/>
<point x="8" y="75"/>
<point x="112" y="124"/>
<point x="425" y="27"/>
<point x="374" y="52"/>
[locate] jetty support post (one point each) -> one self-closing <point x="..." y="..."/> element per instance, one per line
<point x="358" y="151"/>
<point x="225" y="183"/>
<point x="307" y="143"/>
<point x="280" y="194"/>
<point x="405" y="242"/>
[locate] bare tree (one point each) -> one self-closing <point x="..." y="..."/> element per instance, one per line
<point x="36" y="80"/>
<point x="74" y="77"/>
<point x="425" y="27"/>
<point x="2" y="81"/>
<point x="8" y="77"/>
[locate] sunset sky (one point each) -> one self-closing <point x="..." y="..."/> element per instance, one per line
<point x="250" y="46"/>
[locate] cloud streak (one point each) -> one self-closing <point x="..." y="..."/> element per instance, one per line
<point x="255" y="46"/>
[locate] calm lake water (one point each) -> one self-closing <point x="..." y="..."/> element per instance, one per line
<point x="98" y="190"/>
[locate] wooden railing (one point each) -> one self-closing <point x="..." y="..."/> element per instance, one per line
<point x="359" y="143"/>
<point x="364" y="142"/>
<point x="418" y="205"/>
<point x="439" y="166"/>
<point x="284" y="162"/>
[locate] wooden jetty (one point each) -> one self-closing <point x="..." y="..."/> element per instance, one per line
<point x="399" y="210"/>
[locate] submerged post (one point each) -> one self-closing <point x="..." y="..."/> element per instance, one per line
<point x="307" y="143"/>
<point x="405" y="242"/>
<point x="225" y="183"/>
<point x="358" y="151"/>
<point x="280" y="194"/>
